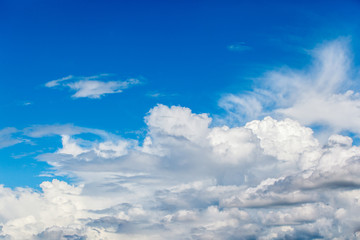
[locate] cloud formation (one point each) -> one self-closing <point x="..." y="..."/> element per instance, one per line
<point x="189" y="179"/>
<point x="268" y="179"/>
<point x="92" y="87"/>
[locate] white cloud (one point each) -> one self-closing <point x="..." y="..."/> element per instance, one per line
<point x="106" y="149"/>
<point x="178" y="122"/>
<point x="286" y="140"/>
<point x="92" y="87"/>
<point x="233" y="145"/>
<point x="57" y="82"/>
<point x="70" y="146"/>
<point x="96" y="89"/>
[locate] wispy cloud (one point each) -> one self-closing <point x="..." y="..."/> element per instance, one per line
<point x="57" y="82"/>
<point x="318" y="95"/>
<point x="92" y="86"/>
<point x="27" y="103"/>
<point x="155" y="94"/>
<point x="7" y="137"/>
<point x="239" y="47"/>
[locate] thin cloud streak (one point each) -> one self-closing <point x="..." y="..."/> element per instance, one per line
<point x="92" y="87"/>
<point x="239" y="47"/>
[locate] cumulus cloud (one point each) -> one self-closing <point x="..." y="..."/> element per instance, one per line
<point x="269" y="178"/>
<point x="92" y="87"/>
<point x="286" y="140"/>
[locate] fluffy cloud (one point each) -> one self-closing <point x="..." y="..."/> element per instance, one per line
<point x="232" y="145"/>
<point x="265" y="179"/>
<point x="91" y="87"/>
<point x="178" y="122"/>
<point x="286" y="140"/>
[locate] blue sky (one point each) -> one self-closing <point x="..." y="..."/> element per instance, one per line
<point x="177" y="49"/>
<point x="82" y="80"/>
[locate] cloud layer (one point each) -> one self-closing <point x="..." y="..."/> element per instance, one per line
<point x="269" y="178"/>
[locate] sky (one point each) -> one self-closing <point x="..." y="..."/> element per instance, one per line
<point x="179" y="119"/>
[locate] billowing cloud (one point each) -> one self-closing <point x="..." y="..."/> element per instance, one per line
<point x="269" y="178"/>
<point x="92" y="87"/>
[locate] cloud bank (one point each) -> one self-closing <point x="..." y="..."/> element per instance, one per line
<point x="269" y="178"/>
<point x="91" y="87"/>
